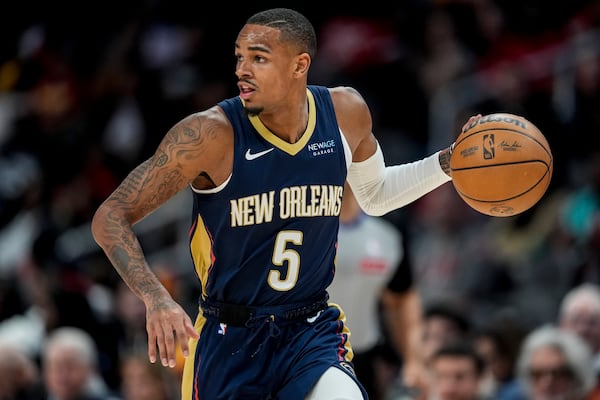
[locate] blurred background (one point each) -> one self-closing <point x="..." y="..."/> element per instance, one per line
<point x="88" y="89"/>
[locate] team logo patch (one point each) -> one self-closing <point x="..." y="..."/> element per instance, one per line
<point x="222" y="329"/>
<point x="321" y="148"/>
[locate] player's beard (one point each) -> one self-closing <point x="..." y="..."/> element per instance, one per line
<point x="253" y="111"/>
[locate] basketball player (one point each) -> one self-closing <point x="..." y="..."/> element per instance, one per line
<point x="267" y="170"/>
<point x="385" y="317"/>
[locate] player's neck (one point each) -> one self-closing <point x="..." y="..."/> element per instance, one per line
<point x="289" y="121"/>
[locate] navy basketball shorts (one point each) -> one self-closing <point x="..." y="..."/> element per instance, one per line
<point x="266" y="359"/>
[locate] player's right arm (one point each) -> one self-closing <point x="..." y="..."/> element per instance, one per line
<point x="195" y="146"/>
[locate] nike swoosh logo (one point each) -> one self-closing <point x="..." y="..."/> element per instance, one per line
<point x="312" y="319"/>
<point x="253" y="156"/>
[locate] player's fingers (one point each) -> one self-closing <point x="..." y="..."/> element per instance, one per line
<point x="168" y="345"/>
<point x="159" y="343"/>
<point x="470" y="122"/>
<point x="183" y="336"/>
<point x="151" y="344"/>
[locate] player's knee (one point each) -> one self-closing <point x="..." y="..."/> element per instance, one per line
<point x="335" y="384"/>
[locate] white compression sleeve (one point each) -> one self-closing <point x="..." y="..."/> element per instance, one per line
<point x="380" y="189"/>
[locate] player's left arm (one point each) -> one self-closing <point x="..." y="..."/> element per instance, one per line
<point x="380" y="189"/>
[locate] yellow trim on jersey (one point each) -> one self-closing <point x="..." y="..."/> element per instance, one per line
<point x="290" y="148"/>
<point x="187" y="377"/>
<point x="200" y="246"/>
<point x="346" y="331"/>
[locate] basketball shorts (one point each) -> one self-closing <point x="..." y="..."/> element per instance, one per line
<point x="267" y="357"/>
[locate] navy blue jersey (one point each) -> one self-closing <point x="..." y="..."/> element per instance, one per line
<point x="268" y="235"/>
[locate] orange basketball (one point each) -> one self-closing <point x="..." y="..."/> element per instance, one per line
<point x="501" y="165"/>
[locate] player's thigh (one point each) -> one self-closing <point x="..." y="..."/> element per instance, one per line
<point x="335" y="384"/>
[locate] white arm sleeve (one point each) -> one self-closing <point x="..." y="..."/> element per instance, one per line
<point x="380" y="189"/>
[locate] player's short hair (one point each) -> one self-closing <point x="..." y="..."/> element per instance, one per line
<point x="294" y="27"/>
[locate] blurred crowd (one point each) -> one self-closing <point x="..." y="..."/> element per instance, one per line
<point x="88" y="89"/>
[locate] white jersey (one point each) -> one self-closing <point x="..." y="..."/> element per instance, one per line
<point x="369" y="252"/>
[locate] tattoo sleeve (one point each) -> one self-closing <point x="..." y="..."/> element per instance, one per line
<point x="145" y="189"/>
<point x="444" y="158"/>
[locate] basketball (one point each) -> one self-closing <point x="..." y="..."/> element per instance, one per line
<point x="501" y="165"/>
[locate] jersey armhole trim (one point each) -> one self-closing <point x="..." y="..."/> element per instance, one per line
<point x="347" y="150"/>
<point x="213" y="190"/>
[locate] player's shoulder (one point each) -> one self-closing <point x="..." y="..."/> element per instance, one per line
<point x="350" y="107"/>
<point x="346" y="97"/>
<point x="210" y="120"/>
<point x="353" y="114"/>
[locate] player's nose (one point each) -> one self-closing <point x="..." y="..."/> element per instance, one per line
<point x="242" y="69"/>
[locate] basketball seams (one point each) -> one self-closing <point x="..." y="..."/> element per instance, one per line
<point x="503" y="164"/>
<point x="535" y="186"/>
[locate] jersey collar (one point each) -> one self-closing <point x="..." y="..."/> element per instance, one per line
<point x="290" y="148"/>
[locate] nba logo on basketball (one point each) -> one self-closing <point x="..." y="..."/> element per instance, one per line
<point x="488" y="146"/>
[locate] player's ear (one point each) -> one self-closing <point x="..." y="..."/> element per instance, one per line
<point x="302" y="64"/>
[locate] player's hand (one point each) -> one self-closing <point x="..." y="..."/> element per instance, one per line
<point x="472" y="120"/>
<point x="168" y="325"/>
<point x="446" y="154"/>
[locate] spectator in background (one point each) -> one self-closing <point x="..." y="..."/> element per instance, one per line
<point x="580" y="313"/>
<point x="445" y="238"/>
<point x="142" y="380"/>
<point x="456" y="372"/>
<point x="20" y="378"/>
<point x="62" y="293"/>
<point x="579" y="219"/>
<point x="555" y="364"/>
<point x="130" y="315"/>
<point x="443" y="323"/>
<point x="498" y="341"/>
<point x="70" y="367"/>
<point x="372" y="260"/>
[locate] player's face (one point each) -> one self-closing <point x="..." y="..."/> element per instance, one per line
<point x="264" y="66"/>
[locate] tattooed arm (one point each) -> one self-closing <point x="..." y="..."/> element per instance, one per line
<point x="182" y="156"/>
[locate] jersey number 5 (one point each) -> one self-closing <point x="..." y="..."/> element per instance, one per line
<point x="279" y="279"/>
